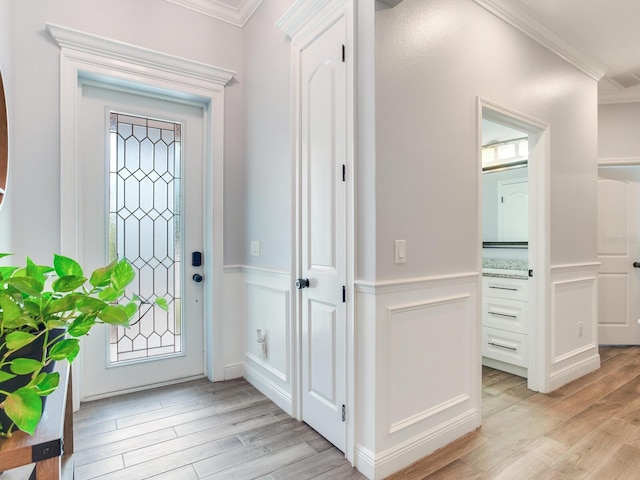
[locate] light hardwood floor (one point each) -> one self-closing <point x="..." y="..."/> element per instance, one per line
<point x="589" y="429"/>
<point x="197" y="430"/>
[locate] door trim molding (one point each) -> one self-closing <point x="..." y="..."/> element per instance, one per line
<point x="305" y="21"/>
<point x="85" y="56"/>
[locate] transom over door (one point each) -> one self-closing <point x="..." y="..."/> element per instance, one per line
<point x="323" y="234"/>
<point x="618" y="250"/>
<point x="142" y="199"/>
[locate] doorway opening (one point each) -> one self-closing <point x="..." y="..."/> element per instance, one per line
<point x="618" y="254"/>
<point x="513" y="242"/>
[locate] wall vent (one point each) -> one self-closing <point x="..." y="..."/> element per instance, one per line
<point x="626" y="79"/>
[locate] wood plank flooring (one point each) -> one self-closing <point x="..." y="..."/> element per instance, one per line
<point x="588" y="429"/>
<point x="200" y="430"/>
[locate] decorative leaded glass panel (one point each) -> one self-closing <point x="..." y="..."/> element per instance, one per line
<point x="144" y="227"/>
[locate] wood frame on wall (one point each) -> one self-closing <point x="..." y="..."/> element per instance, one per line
<point x="4" y="142"/>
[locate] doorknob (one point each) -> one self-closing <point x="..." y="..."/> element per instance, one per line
<point x="197" y="277"/>
<point x="636" y="264"/>
<point x="302" y="283"/>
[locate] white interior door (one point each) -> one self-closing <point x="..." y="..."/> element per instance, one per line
<point x="141" y="174"/>
<point x="323" y="235"/>
<point x="513" y="210"/>
<point x="618" y="249"/>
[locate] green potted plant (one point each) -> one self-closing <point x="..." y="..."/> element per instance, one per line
<point x="44" y="310"/>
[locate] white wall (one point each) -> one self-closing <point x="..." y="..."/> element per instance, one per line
<point x="433" y="60"/>
<point x="267" y="138"/>
<point x="145" y="23"/>
<point x="265" y="284"/>
<point x="618" y="127"/>
<point x="6" y="67"/>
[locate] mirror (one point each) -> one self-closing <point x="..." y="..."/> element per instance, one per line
<point x="4" y="142"/>
<point x="505" y="192"/>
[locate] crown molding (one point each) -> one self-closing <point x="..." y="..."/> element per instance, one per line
<point x="304" y="10"/>
<point x="518" y="17"/>
<point x="78" y="41"/>
<point x="618" y="97"/>
<point x="237" y="16"/>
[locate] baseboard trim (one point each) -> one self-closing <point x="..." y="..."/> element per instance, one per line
<point x="272" y="391"/>
<point x="572" y="372"/>
<point x="235" y="370"/>
<point x="387" y="462"/>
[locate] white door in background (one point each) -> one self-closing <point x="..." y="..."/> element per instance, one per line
<point x="323" y="235"/>
<point x="513" y="210"/>
<point x="142" y="163"/>
<point x="618" y="249"/>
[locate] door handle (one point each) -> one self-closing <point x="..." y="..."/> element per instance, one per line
<point x="197" y="277"/>
<point x="636" y="264"/>
<point x="302" y="283"/>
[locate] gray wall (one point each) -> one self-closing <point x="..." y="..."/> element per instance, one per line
<point x="619" y="130"/>
<point x="433" y="59"/>
<point x="267" y="139"/>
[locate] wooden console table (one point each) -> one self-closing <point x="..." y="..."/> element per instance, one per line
<point x="51" y="446"/>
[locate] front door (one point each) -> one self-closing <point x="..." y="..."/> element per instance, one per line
<point x="618" y="249"/>
<point x="142" y="199"/>
<point x="323" y="235"/>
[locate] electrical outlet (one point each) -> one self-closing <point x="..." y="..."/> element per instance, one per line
<point x="255" y="248"/>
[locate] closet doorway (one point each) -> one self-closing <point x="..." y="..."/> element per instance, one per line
<point x="513" y="245"/>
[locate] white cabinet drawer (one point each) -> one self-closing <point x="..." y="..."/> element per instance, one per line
<point x="509" y="288"/>
<point x="505" y="314"/>
<point x="505" y="346"/>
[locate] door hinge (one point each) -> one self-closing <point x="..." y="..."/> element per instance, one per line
<point x="344" y="294"/>
<point x="531" y="273"/>
<point x="501" y="199"/>
<point x="344" y="53"/>
<point x="344" y="413"/>
<point x="344" y="173"/>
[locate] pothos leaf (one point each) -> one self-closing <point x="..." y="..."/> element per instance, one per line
<point x="68" y="283"/>
<point x="66" y="267"/>
<point x="65" y="349"/>
<point x="47" y="383"/>
<point x="24" y="366"/>
<point x="16" y="340"/>
<point x="24" y="407"/>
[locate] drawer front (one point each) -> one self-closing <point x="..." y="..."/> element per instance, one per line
<point x="509" y="288"/>
<point x="512" y="315"/>
<point x="505" y="346"/>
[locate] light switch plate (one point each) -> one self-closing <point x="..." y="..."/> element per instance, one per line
<point x="255" y="248"/>
<point x="401" y="251"/>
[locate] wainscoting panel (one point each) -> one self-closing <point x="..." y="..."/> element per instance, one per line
<point x="409" y="329"/>
<point x="268" y="362"/>
<point x="420" y="357"/>
<point x="574" y="322"/>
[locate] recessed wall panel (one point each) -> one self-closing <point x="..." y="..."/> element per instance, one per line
<point x="322" y="349"/>
<point x="428" y="358"/>
<point x="612" y="298"/>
